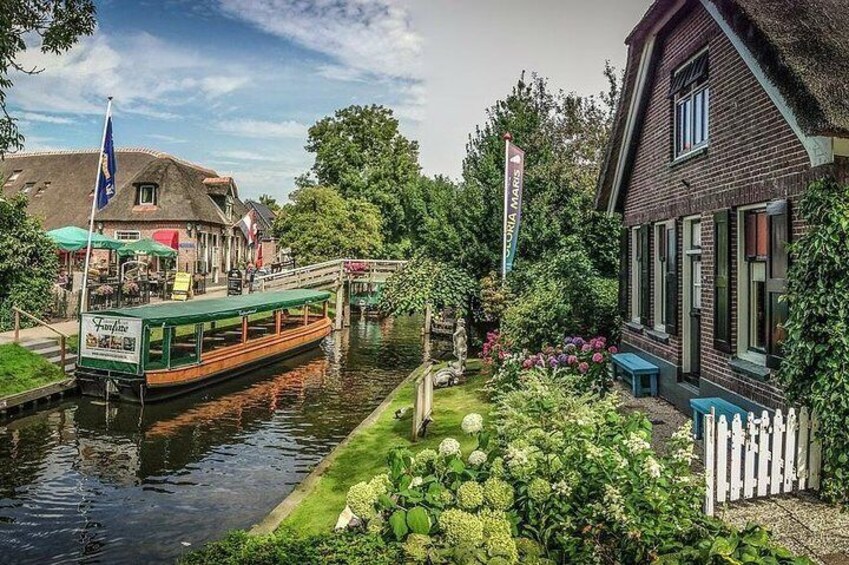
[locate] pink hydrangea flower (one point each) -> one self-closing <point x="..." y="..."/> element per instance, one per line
<point x="572" y="359"/>
<point x="583" y="367"/>
<point x="612" y="349"/>
<point x="586" y="347"/>
<point x="598" y="358"/>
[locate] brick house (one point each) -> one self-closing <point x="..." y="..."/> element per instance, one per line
<point x="730" y="108"/>
<point x="180" y="204"/>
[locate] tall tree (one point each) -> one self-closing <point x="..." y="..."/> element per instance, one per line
<point x="269" y="202"/>
<point x="56" y="24"/>
<point x="360" y="152"/>
<point x="28" y="261"/>
<point x="564" y="137"/>
<point x="319" y="225"/>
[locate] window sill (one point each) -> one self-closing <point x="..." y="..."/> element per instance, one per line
<point x="700" y="152"/>
<point x="634" y="327"/>
<point x="749" y="369"/>
<point x="658" y="336"/>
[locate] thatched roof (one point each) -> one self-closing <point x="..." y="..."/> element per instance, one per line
<point x="62" y="182"/>
<point x="801" y="45"/>
<point x="264" y="214"/>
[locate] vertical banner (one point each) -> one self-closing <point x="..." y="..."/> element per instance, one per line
<point x="514" y="175"/>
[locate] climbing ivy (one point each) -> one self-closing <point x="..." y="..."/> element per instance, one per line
<point x="424" y="281"/>
<point x="815" y="370"/>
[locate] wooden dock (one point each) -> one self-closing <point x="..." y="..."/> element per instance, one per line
<point x="16" y="403"/>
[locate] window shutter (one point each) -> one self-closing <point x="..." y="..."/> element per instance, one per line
<point x="722" y="282"/>
<point x="778" y="261"/>
<point x="645" y="275"/>
<point x="624" y="257"/>
<point x="671" y="281"/>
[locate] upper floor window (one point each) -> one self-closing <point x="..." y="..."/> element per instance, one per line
<point x="127" y="235"/>
<point x="14" y="176"/>
<point x="146" y="194"/>
<point x="28" y="187"/>
<point x="691" y="96"/>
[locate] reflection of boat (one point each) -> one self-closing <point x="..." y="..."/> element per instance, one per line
<point x="162" y="350"/>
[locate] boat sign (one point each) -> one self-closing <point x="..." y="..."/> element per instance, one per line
<point x="110" y="338"/>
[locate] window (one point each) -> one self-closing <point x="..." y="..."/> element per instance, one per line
<point x="28" y="187"/>
<point x="666" y="282"/>
<point x="14" y="176"/>
<point x="146" y="195"/>
<point x="763" y="233"/>
<point x="127" y="235"/>
<point x="691" y="97"/>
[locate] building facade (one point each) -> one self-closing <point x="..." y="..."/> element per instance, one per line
<point x="180" y="204"/>
<point x="723" y="122"/>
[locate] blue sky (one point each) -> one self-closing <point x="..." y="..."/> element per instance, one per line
<point x="234" y="84"/>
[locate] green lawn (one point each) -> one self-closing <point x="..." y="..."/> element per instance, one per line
<point x="365" y="455"/>
<point x="22" y="370"/>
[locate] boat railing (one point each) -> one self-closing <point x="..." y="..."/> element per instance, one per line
<point x="63" y="337"/>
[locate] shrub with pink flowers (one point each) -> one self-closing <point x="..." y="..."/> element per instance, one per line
<point x="495" y="350"/>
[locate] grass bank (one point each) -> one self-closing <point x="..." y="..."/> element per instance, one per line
<point x="365" y="455"/>
<point x="21" y="370"/>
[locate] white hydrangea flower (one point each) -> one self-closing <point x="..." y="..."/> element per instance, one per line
<point x="636" y="444"/>
<point x="652" y="467"/>
<point x="416" y="482"/>
<point x="477" y="458"/>
<point x="613" y="505"/>
<point x="472" y="423"/>
<point x="562" y="488"/>
<point x="449" y="446"/>
<point x="684" y="455"/>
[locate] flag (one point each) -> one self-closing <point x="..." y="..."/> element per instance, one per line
<point x="249" y="227"/>
<point x="258" y="254"/>
<point x="514" y="176"/>
<point x="108" y="168"/>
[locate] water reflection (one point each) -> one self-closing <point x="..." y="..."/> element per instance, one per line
<point x="116" y="483"/>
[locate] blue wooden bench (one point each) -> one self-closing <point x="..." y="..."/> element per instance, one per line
<point x="703" y="406"/>
<point x="637" y="370"/>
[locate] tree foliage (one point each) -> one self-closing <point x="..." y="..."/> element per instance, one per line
<point x="815" y="369"/>
<point x="269" y="202"/>
<point x="424" y="281"/>
<point x="28" y="262"/>
<point x="360" y="152"/>
<point x="319" y="225"/>
<point x="57" y="24"/>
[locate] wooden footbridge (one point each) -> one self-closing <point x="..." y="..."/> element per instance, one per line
<point x="335" y="275"/>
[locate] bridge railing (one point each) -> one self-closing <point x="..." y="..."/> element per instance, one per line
<point x="328" y="273"/>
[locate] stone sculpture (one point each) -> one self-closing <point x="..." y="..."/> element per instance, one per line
<point x="452" y="374"/>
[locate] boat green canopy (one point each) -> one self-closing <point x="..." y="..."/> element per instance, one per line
<point x="147" y="246"/>
<point x="198" y="311"/>
<point x="72" y="238"/>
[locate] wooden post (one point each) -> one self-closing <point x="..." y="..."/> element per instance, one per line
<point x="278" y="321"/>
<point x="428" y="317"/>
<point x="306" y="314"/>
<point x="62" y="344"/>
<point x="340" y="306"/>
<point x="244" y="329"/>
<point x="17" y="326"/>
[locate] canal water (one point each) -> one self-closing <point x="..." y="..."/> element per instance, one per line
<point x="89" y="482"/>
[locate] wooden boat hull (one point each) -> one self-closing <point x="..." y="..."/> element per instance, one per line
<point x="214" y="367"/>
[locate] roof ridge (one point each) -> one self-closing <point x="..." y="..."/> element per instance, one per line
<point x="138" y="149"/>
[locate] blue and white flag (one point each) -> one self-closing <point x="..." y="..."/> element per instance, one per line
<point x="108" y="168"/>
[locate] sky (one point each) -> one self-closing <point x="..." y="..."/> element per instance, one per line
<point x="235" y="84"/>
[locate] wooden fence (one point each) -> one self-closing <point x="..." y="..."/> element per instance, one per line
<point x="422" y="401"/>
<point x="761" y="457"/>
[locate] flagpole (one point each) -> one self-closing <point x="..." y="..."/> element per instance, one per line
<point x="507" y="138"/>
<point x="84" y="297"/>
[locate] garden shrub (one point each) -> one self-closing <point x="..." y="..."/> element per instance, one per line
<point x="815" y="369"/>
<point x="423" y="281"/>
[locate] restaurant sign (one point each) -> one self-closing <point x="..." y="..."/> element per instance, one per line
<point x="111" y="339"/>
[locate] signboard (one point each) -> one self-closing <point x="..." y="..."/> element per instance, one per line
<point x="182" y="285"/>
<point x="234" y="282"/>
<point x="187" y="245"/>
<point x="513" y="181"/>
<point x="110" y="339"/>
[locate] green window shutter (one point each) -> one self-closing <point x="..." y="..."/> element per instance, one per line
<point x="778" y="262"/>
<point x="624" y="259"/>
<point x="722" y="281"/>
<point x="645" y="275"/>
<point x="671" y="280"/>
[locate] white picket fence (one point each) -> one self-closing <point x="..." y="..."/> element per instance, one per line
<point x="760" y="457"/>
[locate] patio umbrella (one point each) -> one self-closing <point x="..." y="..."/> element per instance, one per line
<point x="147" y="246"/>
<point x="72" y="238"/>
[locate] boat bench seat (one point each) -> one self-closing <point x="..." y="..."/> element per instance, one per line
<point x="636" y="369"/>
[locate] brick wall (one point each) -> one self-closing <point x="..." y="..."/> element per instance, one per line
<point x="753" y="157"/>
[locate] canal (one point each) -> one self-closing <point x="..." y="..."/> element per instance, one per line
<point x="84" y="481"/>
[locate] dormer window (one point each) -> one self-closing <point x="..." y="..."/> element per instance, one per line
<point x="14" y="176"/>
<point x="691" y="95"/>
<point x="28" y="187"/>
<point x="146" y="195"/>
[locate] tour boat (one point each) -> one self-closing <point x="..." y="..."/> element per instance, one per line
<point x="154" y="352"/>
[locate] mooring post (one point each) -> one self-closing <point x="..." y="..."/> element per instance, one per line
<point x="340" y="307"/>
<point x="17" y="326"/>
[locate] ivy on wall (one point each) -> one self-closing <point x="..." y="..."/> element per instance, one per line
<point x="815" y="370"/>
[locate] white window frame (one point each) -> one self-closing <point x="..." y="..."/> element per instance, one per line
<point x="635" y="275"/>
<point x="742" y="286"/>
<point x="690" y="250"/>
<point x="152" y="188"/>
<point x="659" y="287"/>
<point x="121" y="235"/>
<point x="689" y="94"/>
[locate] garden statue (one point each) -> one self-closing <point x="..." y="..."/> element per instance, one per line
<point x="451" y="374"/>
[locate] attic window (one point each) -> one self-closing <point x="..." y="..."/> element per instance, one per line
<point x="146" y="195"/>
<point x="695" y="71"/>
<point x="14" y="176"/>
<point x="28" y="187"/>
<point x="691" y="96"/>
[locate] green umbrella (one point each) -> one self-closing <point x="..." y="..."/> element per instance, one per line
<point x="72" y="238"/>
<point x="147" y="247"/>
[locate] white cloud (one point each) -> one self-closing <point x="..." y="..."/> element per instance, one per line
<point x="145" y="75"/>
<point x="363" y="36"/>
<point x="42" y="118"/>
<point x="166" y="138"/>
<point x="264" y="129"/>
<point x="242" y="155"/>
